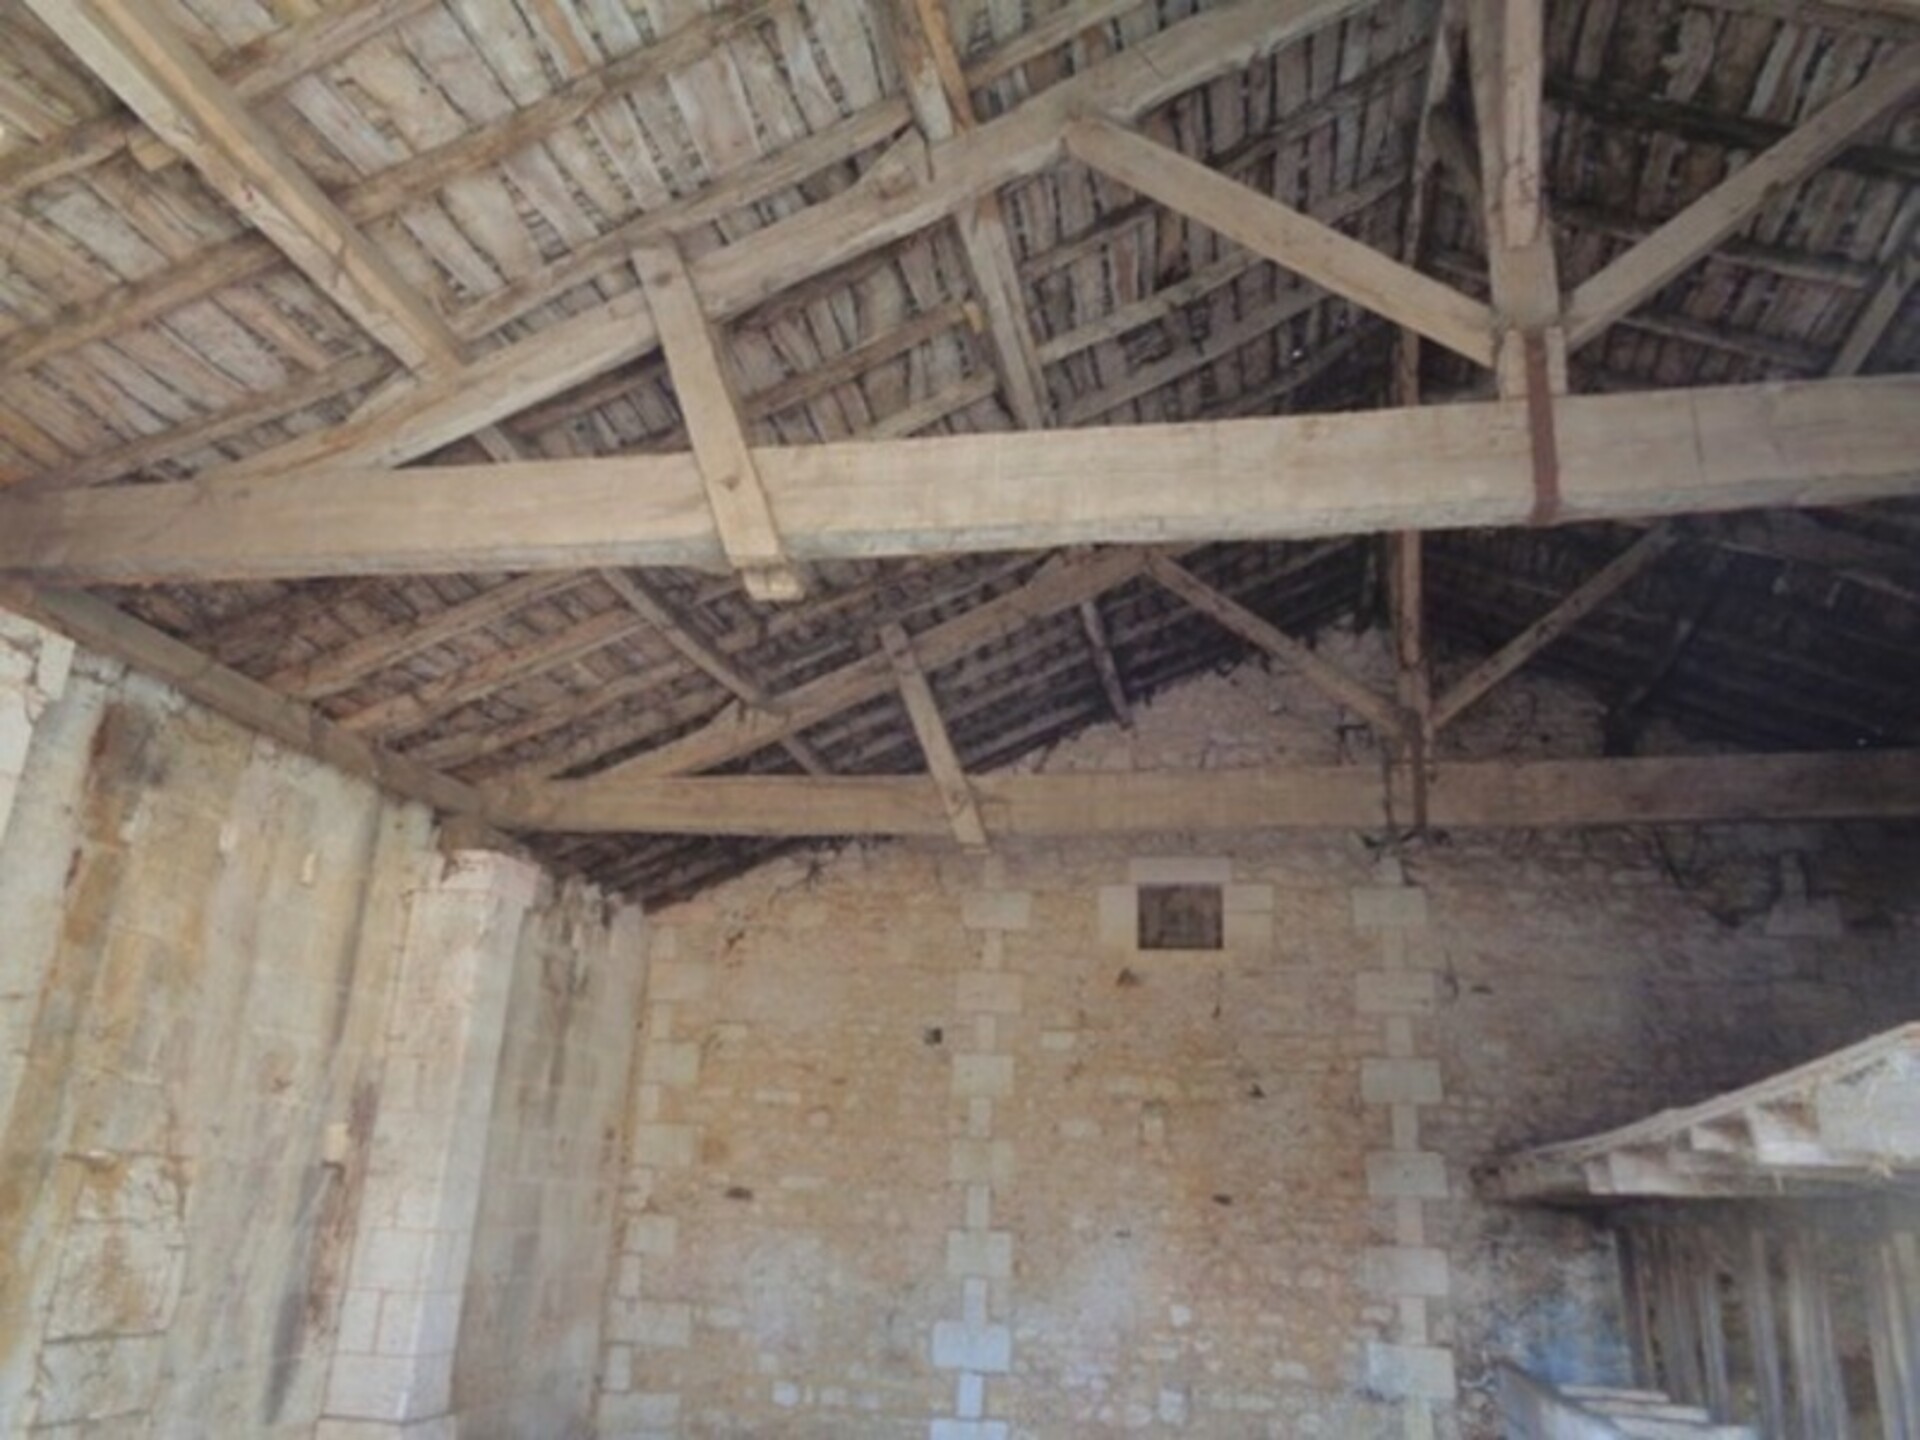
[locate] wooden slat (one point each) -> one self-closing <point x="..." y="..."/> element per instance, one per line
<point x="1466" y="795"/>
<point x="1814" y="443"/>
<point x="1625" y="282"/>
<point x="1287" y="237"/>
<point x="136" y="52"/>
<point x="1060" y="586"/>
<point x="1379" y="712"/>
<point x="108" y="631"/>
<point x="943" y="763"/>
<point x="937" y="89"/>
<point x="1592" y="594"/>
<point x="710" y="406"/>
<point x="646" y="602"/>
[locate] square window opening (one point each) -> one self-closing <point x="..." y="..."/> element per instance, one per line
<point x="1181" y="917"/>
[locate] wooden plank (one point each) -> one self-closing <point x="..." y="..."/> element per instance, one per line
<point x="1631" y="278"/>
<point x="108" y="631"/>
<point x="1883" y="306"/>
<point x="1819" y="1392"/>
<point x="742" y="515"/>
<point x="1284" y="235"/>
<point x="1813" y="443"/>
<point x="1467" y="795"/>
<point x="1753" y="1278"/>
<point x="255" y="71"/>
<point x="139" y="56"/>
<point x="943" y="762"/>
<point x="1096" y="633"/>
<point x="1593" y="593"/>
<point x="1378" y="711"/>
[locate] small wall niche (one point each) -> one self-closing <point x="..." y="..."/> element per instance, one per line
<point x="1181" y="917"/>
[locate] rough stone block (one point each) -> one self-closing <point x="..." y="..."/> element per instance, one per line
<point x="1119" y="917"/>
<point x="638" y="1410"/>
<point x="1410" y="1372"/>
<point x="980" y="1252"/>
<point x="996" y="910"/>
<point x="1394" y="992"/>
<point x="1389" y="907"/>
<point x="1400" y="1082"/>
<point x="116" y="1280"/>
<point x="985" y="1349"/>
<point x="1246" y="931"/>
<point x="1406" y="1175"/>
<point x="970" y="1396"/>
<point x="982" y="1076"/>
<point x="1179" y="870"/>
<point x="1246" y="899"/>
<point x="1400" y="1270"/>
<point x="997" y="992"/>
<point x="96" y="1379"/>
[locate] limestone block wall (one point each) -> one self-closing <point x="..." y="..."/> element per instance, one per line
<point x="529" y="1337"/>
<point x="254" y="1055"/>
<point x="928" y="1144"/>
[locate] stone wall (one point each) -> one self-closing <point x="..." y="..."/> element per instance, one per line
<point x="252" y="1074"/>
<point x="529" y="1342"/>
<point x="925" y="1143"/>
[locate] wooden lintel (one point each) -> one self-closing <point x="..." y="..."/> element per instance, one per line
<point x="1479" y="795"/>
<point x="956" y="794"/>
<point x="1284" y="235"/>
<point x="1378" y="711"/>
<point x="1593" y="593"/>
<point x="136" y="53"/>
<point x="742" y="515"/>
<point x="1631" y="278"/>
<point x="1636" y="455"/>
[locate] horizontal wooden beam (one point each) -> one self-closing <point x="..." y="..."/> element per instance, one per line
<point x="1542" y="794"/>
<point x="1811" y="443"/>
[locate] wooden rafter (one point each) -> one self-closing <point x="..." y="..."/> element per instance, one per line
<point x="1651" y="453"/>
<point x="1110" y="682"/>
<point x="1626" y="281"/>
<point x="943" y="106"/>
<point x="742" y="516"/>
<point x="943" y="763"/>
<point x="109" y="631"/>
<point x="138" y="55"/>
<point x="1059" y="586"/>
<point x="1902" y="273"/>
<point x="1284" y="235"/>
<point x="1463" y="795"/>
<point x="1590" y="596"/>
<point x="647" y="602"/>
<point x="1378" y="711"/>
